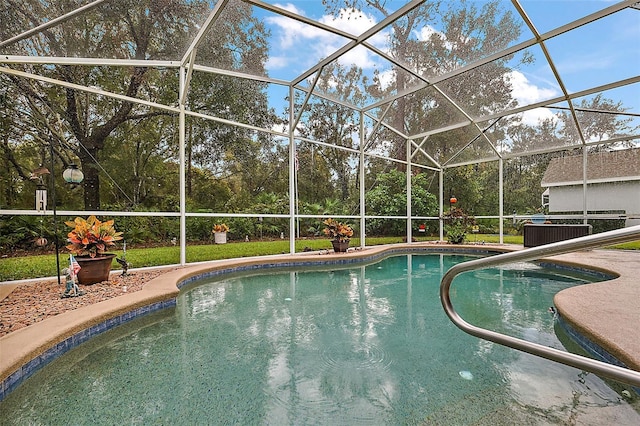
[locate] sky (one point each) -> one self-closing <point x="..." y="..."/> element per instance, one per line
<point x="593" y="55"/>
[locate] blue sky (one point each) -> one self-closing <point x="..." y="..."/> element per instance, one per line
<point x="593" y="55"/>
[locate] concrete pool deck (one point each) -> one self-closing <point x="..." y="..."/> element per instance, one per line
<point x="606" y="313"/>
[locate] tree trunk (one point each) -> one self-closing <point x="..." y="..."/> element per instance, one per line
<point x="91" y="182"/>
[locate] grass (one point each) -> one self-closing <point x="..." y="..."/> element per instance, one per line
<point x="38" y="266"/>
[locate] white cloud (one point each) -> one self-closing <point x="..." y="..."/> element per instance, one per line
<point x="277" y="62"/>
<point x="533" y="117"/>
<point x="359" y="56"/>
<point x="290" y="8"/>
<point x="387" y="78"/>
<point x="425" y="33"/>
<point x="292" y="31"/>
<point x="294" y="37"/>
<point x="350" y="21"/>
<point x="525" y="92"/>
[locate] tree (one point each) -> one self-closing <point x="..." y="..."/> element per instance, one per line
<point x="465" y="34"/>
<point x="389" y="198"/>
<point x="600" y="119"/>
<point x="333" y="123"/>
<point x="83" y="123"/>
<point x="151" y="176"/>
<point x="237" y="43"/>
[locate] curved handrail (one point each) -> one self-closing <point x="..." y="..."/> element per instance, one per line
<point x="582" y="243"/>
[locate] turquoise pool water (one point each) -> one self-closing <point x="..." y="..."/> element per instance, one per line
<point x="360" y="345"/>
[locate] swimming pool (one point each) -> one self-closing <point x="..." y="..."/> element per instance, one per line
<point x="351" y="345"/>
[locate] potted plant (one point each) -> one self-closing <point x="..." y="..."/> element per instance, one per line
<point x="220" y="233"/>
<point x="340" y="234"/>
<point x="88" y="241"/>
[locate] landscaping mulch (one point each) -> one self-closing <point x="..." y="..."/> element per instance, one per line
<point x="36" y="301"/>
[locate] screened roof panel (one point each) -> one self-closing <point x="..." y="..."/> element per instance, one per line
<point x="426" y="110"/>
<point x="540" y="129"/>
<point x="489" y="89"/>
<point x="628" y="95"/>
<point x="560" y="130"/>
<point x="344" y="81"/>
<point x="444" y="146"/>
<point x="598" y="53"/>
<point x="600" y="121"/>
<point x="439" y="40"/>
<point x="235" y="99"/>
<point x="19" y="22"/>
<point x="380" y="143"/>
<point x="340" y="16"/>
<point x="555" y="14"/>
<point x="377" y="114"/>
<point x="282" y="35"/>
<point x="479" y="148"/>
<point x="422" y="158"/>
<point x="519" y="80"/>
<point x="109" y="30"/>
<point x="228" y="43"/>
<point x="115" y="80"/>
<point x="494" y="133"/>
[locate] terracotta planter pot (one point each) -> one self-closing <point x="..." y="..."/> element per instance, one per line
<point x="94" y="269"/>
<point x="340" y="246"/>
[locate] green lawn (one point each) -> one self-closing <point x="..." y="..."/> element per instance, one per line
<point x="25" y="267"/>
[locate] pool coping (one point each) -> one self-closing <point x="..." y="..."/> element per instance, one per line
<point x="26" y="350"/>
<point x="604" y="317"/>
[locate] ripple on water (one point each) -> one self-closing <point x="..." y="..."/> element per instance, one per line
<point x="366" y="356"/>
<point x="343" y="384"/>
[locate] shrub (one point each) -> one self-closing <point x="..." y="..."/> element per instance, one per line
<point x="457" y="224"/>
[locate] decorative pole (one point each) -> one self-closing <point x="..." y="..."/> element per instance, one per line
<point x="55" y="217"/>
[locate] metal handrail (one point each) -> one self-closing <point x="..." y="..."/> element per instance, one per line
<point x="582" y="243"/>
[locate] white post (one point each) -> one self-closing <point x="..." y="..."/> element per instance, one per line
<point x="441" y="189"/>
<point x="362" y="182"/>
<point x="501" y="197"/>
<point x="584" y="185"/>
<point x="408" y="173"/>
<point x="292" y="175"/>
<point x="183" y="196"/>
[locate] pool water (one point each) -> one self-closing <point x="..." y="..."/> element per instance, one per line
<point x="361" y="345"/>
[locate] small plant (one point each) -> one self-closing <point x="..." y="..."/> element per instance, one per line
<point x="457" y="224"/>
<point x="337" y="231"/>
<point x="91" y="237"/>
<point x="220" y="228"/>
<point x="455" y="233"/>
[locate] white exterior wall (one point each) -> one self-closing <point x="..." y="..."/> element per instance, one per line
<point x="600" y="197"/>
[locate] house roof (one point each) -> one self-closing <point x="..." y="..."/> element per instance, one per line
<point x="602" y="167"/>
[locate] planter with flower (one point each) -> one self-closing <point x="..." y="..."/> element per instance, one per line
<point x="340" y="234"/>
<point x="220" y="233"/>
<point x="89" y="241"/>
